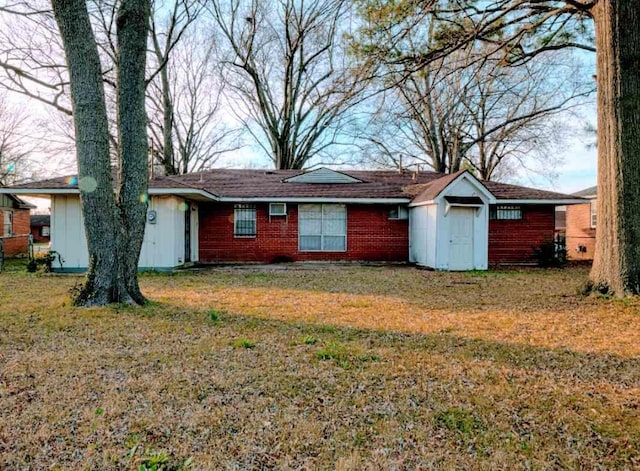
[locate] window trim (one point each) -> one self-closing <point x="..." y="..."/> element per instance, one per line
<point x="593" y="213"/>
<point x="245" y="207"/>
<point x="346" y="229"/>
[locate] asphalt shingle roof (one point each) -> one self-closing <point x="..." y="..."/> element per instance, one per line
<point x="230" y="183"/>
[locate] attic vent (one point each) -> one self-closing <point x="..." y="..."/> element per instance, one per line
<point x="322" y="175"/>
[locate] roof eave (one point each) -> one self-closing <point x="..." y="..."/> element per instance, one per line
<point x="557" y="202"/>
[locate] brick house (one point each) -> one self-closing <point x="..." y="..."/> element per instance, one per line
<point x="41" y="228"/>
<point x="445" y="222"/>
<point x="14" y="225"/>
<point x="581" y="226"/>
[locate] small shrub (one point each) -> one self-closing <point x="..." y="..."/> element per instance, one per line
<point x="281" y="259"/>
<point x="45" y="261"/>
<point x="459" y="420"/>
<point x="32" y="265"/>
<point x="309" y="340"/>
<point x="243" y="343"/>
<point x="333" y="351"/>
<point x="549" y="254"/>
<point x="160" y="461"/>
<point x="214" y="316"/>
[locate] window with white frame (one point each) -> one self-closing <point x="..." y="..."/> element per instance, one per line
<point x="505" y="212"/>
<point x="8" y="223"/>
<point x="322" y="227"/>
<point x="594" y="212"/>
<point x="244" y="220"/>
<point x="399" y="212"/>
<point x="277" y="209"/>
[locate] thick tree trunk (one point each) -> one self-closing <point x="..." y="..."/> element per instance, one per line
<point x="114" y="230"/>
<point x="132" y="27"/>
<point x="92" y="147"/>
<point x="616" y="267"/>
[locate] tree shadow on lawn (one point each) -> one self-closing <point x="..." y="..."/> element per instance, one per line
<point x="524" y="289"/>
<point x="563" y="364"/>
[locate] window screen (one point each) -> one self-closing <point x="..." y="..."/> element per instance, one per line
<point x="244" y="221"/>
<point x="322" y="227"/>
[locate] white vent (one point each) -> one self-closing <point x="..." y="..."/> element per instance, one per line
<point x="322" y="175"/>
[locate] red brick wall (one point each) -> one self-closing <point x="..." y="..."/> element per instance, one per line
<point x="579" y="232"/>
<point x="35" y="232"/>
<point x="512" y="241"/>
<point x="19" y="243"/>
<point x="370" y="236"/>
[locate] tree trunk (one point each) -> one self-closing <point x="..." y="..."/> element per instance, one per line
<point x="92" y="148"/>
<point x="114" y="230"/>
<point x="132" y="24"/>
<point x="616" y="266"/>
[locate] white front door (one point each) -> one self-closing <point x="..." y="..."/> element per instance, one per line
<point x="461" y="238"/>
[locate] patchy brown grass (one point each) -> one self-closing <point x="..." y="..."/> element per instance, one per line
<point x="321" y="368"/>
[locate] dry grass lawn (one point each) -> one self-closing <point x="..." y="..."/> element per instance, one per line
<point x="321" y="368"/>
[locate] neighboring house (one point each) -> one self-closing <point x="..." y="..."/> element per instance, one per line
<point x="446" y="222"/>
<point x="41" y="227"/>
<point x="581" y="226"/>
<point x="14" y="224"/>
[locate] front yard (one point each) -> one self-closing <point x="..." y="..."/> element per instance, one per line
<point x="321" y="368"/>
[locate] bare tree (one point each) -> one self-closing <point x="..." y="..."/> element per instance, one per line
<point x="186" y="104"/>
<point x="14" y="145"/>
<point x="288" y="72"/>
<point x="471" y="109"/>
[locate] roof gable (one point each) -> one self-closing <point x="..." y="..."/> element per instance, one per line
<point x="433" y="190"/>
<point x="322" y="175"/>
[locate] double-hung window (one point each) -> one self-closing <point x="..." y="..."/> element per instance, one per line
<point x="244" y="220"/>
<point x="322" y="227"/>
<point x="594" y="213"/>
<point x="8" y="223"/>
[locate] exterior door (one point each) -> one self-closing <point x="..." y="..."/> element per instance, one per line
<point x="461" y="238"/>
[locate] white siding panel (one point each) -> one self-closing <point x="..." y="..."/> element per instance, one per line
<point x="67" y="231"/>
<point x="162" y="247"/>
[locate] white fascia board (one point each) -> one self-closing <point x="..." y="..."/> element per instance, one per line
<point x="39" y="191"/>
<point x="75" y="191"/>
<point x="265" y="199"/>
<point x="422" y="203"/>
<point x="550" y="202"/>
